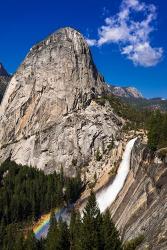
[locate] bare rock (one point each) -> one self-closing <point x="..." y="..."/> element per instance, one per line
<point x="141" y="207"/>
<point x="48" y="118"/>
<point x="4" y="80"/>
<point x="127" y="92"/>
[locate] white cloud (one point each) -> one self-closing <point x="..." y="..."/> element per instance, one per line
<point x="132" y="35"/>
<point x="112" y="33"/>
<point x="91" y="42"/>
<point x="143" y="54"/>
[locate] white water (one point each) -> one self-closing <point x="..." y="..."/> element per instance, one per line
<point x="104" y="197"/>
<point x="108" y="195"/>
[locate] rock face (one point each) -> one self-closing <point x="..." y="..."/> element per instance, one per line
<point x="4" y="80"/>
<point x="48" y="118"/>
<point x="3" y="71"/>
<point x="125" y="92"/>
<point x="141" y="207"/>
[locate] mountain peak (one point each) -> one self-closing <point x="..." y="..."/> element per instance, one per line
<point x="125" y="91"/>
<point x="56" y="80"/>
<point x="134" y="92"/>
<point x="3" y="71"/>
<point x="69" y="30"/>
<point x="64" y="37"/>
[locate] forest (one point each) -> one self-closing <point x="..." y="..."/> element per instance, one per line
<point x="92" y="231"/>
<point x="26" y="193"/>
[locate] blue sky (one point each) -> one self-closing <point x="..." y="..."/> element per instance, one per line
<point x="129" y="36"/>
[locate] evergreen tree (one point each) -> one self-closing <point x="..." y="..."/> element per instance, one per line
<point x="19" y="242"/>
<point x="2" y="232"/>
<point x="154" y="127"/>
<point x="62" y="239"/>
<point x="110" y="236"/>
<point x="26" y="193"/>
<point x="75" y="231"/>
<point x="31" y="242"/>
<point x="92" y="219"/>
<point x="9" y="238"/>
<point x="52" y="233"/>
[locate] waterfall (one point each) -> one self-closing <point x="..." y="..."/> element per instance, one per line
<point x="104" y="197"/>
<point x="108" y="195"/>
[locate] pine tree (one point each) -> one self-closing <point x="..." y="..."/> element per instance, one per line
<point x="110" y="236"/>
<point x="31" y="242"/>
<point x="62" y="239"/>
<point x="9" y="238"/>
<point x="154" y="127"/>
<point x="90" y="235"/>
<point x="19" y="242"/>
<point x="75" y="231"/>
<point x="53" y="230"/>
<point x="2" y="232"/>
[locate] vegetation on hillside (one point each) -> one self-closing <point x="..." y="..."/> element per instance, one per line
<point x="157" y="130"/>
<point x="26" y="193"/>
<point x="93" y="231"/>
<point x="154" y="121"/>
<point x="150" y="104"/>
<point x="134" y="243"/>
<point x="135" y="119"/>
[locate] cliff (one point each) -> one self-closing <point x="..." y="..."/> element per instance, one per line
<point x="4" y="80"/>
<point x="141" y="207"/>
<point x="48" y="117"/>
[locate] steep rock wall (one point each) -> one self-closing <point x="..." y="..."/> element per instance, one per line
<point x="141" y="207"/>
<point x="48" y="118"/>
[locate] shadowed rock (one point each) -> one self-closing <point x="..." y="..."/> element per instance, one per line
<point x="4" y="80"/>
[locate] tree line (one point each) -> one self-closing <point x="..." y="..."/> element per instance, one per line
<point x="93" y="231"/>
<point x="26" y="193"/>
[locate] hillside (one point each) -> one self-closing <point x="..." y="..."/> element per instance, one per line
<point x="150" y="104"/>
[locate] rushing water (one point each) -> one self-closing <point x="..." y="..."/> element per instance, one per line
<point x="105" y="197"/>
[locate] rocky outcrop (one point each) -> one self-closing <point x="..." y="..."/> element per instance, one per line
<point x="4" y="80"/>
<point x="48" y="118"/>
<point x="141" y="207"/>
<point x="128" y="92"/>
<point x="3" y="71"/>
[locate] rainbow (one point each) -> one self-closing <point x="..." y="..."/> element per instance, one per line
<point x="41" y="228"/>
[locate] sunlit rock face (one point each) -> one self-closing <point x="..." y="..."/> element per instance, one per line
<point x="47" y="115"/>
<point x="141" y="207"/>
<point x="128" y="92"/>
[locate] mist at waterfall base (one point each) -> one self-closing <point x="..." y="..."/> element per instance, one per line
<point x="104" y="197"/>
<point x="41" y="230"/>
